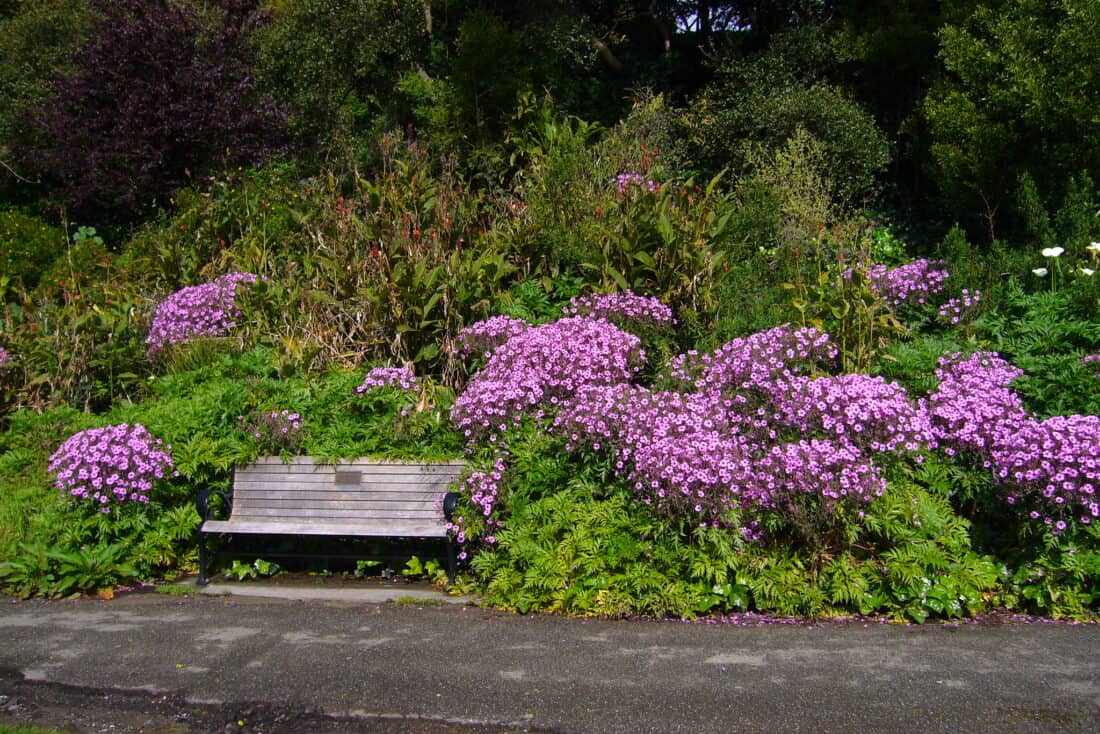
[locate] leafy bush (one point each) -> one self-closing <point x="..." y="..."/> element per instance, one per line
<point x="334" y="64"/>
<point x="764" y="102"/>
<point x="29" y="247"/>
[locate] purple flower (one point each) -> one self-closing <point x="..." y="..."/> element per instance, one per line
<point x="379" y="377"/>
<point x="483" y="337"/>
<point x="114" y="464"/>
<point x="910" y="284"/>
<point x="621" y="307"/>
<point x="202" y="310"/>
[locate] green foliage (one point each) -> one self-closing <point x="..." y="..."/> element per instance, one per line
<point x="1013" y="100"/>
<point x="923" y="560"/>
<point x="765" y="100"/>
<point x="334" y="63"/>
<point x="1057" y="575"/>
<point x="1046" y="334"/>
<point x="79" y="334"/>
<point x="28" y="248"/>
<point x="259" y="568"/>
<point x="37" y="45"/>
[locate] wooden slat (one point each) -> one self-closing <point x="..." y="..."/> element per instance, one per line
<point x="428" y="497"/>
<point x="381" y="485"/>
<point x="347" y="504"/>
<point x="377" y="529"/>
<point x="353" y="506"/>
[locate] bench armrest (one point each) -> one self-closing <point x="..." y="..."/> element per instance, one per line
<point x="450" y="502"/>
<point x="202" y="503"/>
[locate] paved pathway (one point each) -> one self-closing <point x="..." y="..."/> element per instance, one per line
<point x="453" y="663"/>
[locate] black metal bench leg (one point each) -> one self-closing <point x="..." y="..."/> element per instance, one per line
<point x="452" y="563"/>
<point x="203" y="579"/>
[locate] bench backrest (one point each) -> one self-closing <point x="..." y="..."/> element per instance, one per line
<point x="304" y="496"/>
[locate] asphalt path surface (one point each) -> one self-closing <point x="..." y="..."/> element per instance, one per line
<point x="462" y="666"/>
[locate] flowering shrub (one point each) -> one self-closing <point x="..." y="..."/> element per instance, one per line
<point x="542" y="366"/>
<point x="399" y="377"/>
<point x="483" y="337"/>
<point x="110" y="466"/>
<point x="629" y="179"/>
<point x="863" y="411"/>
<point x="276" y="431"/>
<point x="196" y="311"/>
<point x="973" y="404"/>
<point x="956" y="309"/>
<point x="618" y="307"/>
<point x="757" y="364"/>
<point x="1054" y="464"/>
<point x="910" y="284"/>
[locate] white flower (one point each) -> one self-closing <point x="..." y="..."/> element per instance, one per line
<point x="1086" y="271"/>
<point x="1040" y="271"/>
<point x="1053" y="251"/>
<point x="1095" y="247"/>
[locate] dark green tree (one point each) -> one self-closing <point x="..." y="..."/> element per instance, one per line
<point x="1019" y="92"/>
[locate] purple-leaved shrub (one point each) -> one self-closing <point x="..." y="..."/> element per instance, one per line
<point x="111" y="466"/>
<point x="209" y="309"/>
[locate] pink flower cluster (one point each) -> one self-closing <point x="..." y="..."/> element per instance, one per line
<point x="760" y="364"/>
<point x="399" y="377"/>
<point x="711" y="449"/>
<point x="1052" y="465"/>
<point x="958" y="308"/>
<point x="1055" y="463"/>
<point x="1093" y="359"/>
<point x="279" y="430"/>
<point x="111" y="465"/>
<point x="483" y="337"/>
<point x="911" y="283"/>
<point x="5" y="359"/>
<point x="542" y="366"/>
<point x="625" y="181"/>
<point x="201" y="310"/>
<point x="973" y="403"/>
<point x="861" y="410"/>
<point x="619" y="307"/>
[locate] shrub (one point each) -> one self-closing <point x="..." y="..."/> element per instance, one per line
<point x="274" y="431"/>
<point x="334" y="64"/>
<point x="111" y="466"/>
<point x="197" y="311"/>
<point x="28" y="249"/>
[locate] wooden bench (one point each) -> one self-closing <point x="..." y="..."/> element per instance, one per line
<point x="362" y="498"/>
